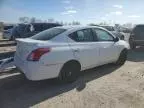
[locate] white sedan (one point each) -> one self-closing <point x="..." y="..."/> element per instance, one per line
<point x="65" y="51"/>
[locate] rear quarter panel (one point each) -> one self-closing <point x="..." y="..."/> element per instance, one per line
<point x="58" y="55"/>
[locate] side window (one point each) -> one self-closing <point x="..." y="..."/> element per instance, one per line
<point x="84" y="35"/>
<point x="103" y="35"/>
<point x="27" y="29"/>
<point x="46" y="26"/>
<point x="38" y="27"/>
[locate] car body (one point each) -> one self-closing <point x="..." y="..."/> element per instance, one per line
<point x="49" y="53"/>
<point x="137" y="36"/>
<point x="115" y="32"/>
<point x="28" y="30"/>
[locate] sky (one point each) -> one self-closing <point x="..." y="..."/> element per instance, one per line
<point x="85" y="11"/>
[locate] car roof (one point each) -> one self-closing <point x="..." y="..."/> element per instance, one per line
<point x="105" y="26"/>
<point x="78" y="27"/>
<point x="71" y="29"/>
<point x="45" y="23"/>
<point x="39" y="24"/>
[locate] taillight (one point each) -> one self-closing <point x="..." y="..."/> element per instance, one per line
<point x="36" y="54"/>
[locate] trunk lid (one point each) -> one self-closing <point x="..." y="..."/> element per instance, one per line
<point x="25" y="47"/>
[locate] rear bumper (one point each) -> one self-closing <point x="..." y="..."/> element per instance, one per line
<point x="36" y="70"/>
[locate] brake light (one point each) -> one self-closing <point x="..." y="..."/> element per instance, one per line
<point x="36" y="54"/>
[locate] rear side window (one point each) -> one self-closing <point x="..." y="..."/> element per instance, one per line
<point x="84" y="35"/>
<point x="48" y="34"/>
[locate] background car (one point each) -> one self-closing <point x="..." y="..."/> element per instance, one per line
<point x="137" y="36"/>
<point x="28" y="30"/>
<point x="115" y="32"/>
<point x="64" y="51"/>
<point x="7" y="31"/>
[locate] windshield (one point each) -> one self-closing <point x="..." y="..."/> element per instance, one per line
<point x="139" y="29"/>
<point x="8" y="27"/>
<point x="48" y="34"/>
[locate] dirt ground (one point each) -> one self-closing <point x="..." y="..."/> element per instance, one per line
<point x="107" y="86"/>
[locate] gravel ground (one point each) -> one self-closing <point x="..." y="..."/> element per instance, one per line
<point x="107" y="86"/>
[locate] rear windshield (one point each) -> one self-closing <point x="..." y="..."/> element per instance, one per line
<point x="48" y="34"/>
<point x="7" y="27"/>
<point x="43" y="26"/>
<point x="139" y="28"/>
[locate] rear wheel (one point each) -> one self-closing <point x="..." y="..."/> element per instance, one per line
<point x="69" y="73"/>
<point x="131" y="42"/>
<point x="122" y="58"/>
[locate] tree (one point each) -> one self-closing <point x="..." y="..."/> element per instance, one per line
<point x="24" y="19"/>
<point x="77" y="23"/>
<point x="33" y="20"/>
<point x="65" y="23"/>
<point x="92" y="24"/>
<point x="62" y="23"/>
<point x="50" y="20"/>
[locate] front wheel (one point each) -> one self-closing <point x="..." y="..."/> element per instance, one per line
<point x="122" y="58"/>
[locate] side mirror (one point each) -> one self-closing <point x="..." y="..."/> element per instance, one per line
<point x="116" y="39"/>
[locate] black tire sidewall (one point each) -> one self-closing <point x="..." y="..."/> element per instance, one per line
<point x="122" y="57"/>
<point x="74" y="73"/>
<point x="132" y="44"/>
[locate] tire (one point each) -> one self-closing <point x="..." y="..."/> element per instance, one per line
<point x="69" y="73"/>
<point x="132" y="46"/>
<point x="122" y="58"/>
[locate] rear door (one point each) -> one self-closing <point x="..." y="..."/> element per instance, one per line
<point x="84" y="48"/>
<point x="107" y="48"/>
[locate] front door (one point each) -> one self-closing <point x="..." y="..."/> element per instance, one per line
<point x="108" y="49"/>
